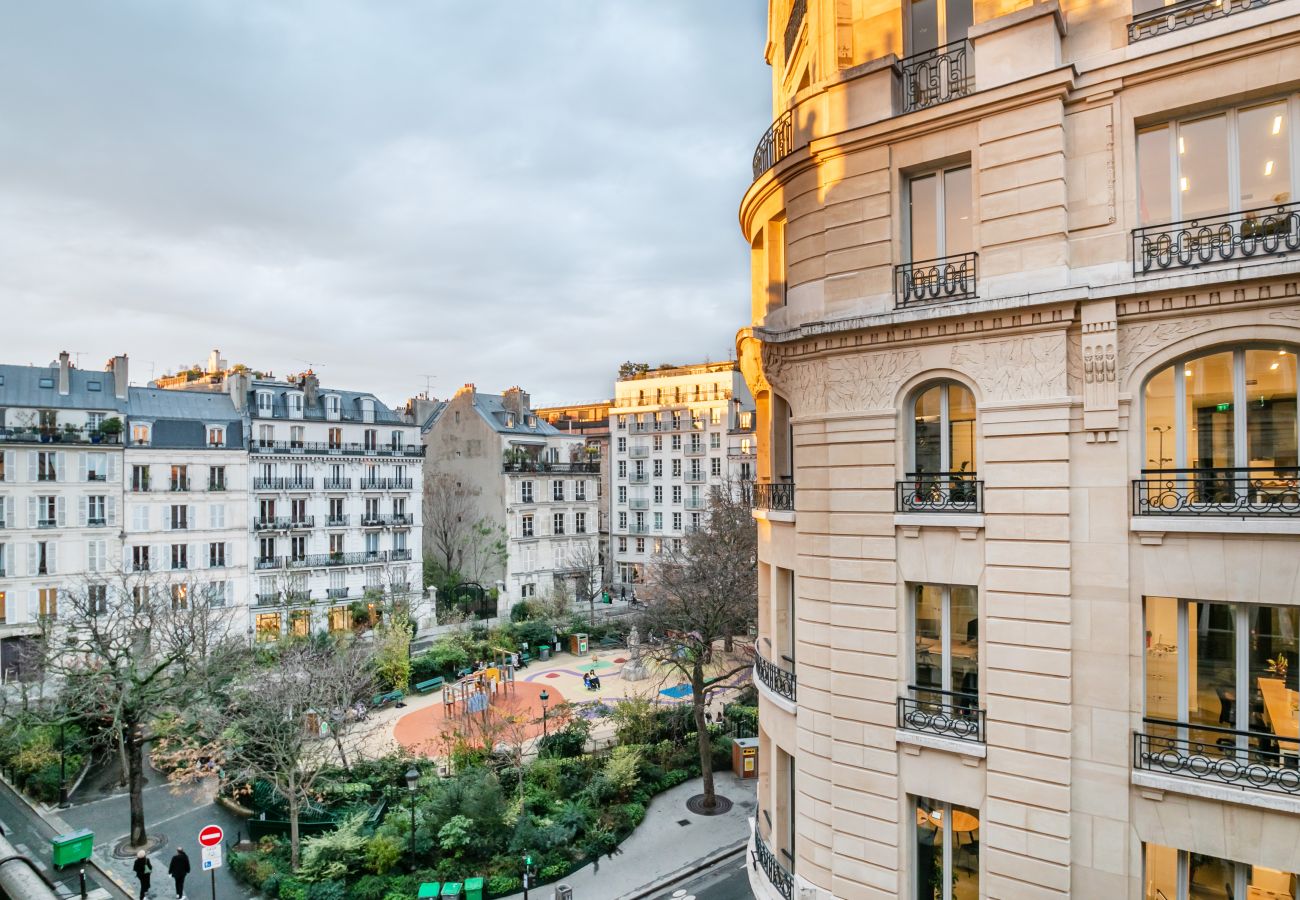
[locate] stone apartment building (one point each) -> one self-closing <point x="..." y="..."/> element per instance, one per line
<point x="591" y="421"/>
<point x="677" y="433"/>
<point x="538" y="485"/>
<point x="1024" y="324"/>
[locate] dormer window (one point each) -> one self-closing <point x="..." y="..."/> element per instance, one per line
<point x="332" y="408"/>
<point x="263" y="403"/>
<point x="510" y="421"/>
<point x="532" y="422"/>
<point x="216" y="436"/>
<point x="367" y="409"/>
<point x="140" y="433"/>
<point x="295" y="406"/>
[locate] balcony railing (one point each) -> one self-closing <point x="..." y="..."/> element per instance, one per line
<point x="269" y="599"/>
<point x="638" y="503"/>
<point x="1266" y="231"/>
<point x="304" y="447"/>
<point x="940" y="492"/>
<point x="780" y="681"/>
<point x="936" y="76"/>
<point x="386" y="484"/>
<point x="556" y="468"/>
<point x="61" y="435"/>
<point x="693" y="477"/>
<point x="776" y="495"/>
<point x="638" y="452"/>
<point x="326" y="560"/>
<point x="283" y="484"/>
<point x="336" y="593"/>
<point x="337" y="484"/>
<point x="695" y="503"/>
<point x="399" y="555"/>
<point x="777" y="875"/>
<point x="1183" y="15"/>
<point x="180" y="485"/>
<point x="1250" y="492"/>
<point x="774" y="146"/>
<point x="639" y="478"/>
<point x="1250" y="760"/>
<point x="694" y="450"/>
<point x="949" y="714"/>
<point x="337" y="521"/>
<point x="948" y="278"/>
<point x="268" y="562"/>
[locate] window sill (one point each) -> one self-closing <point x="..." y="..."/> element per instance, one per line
<point x="1152" y="529"/>
<point x="934" y="742"/>
<point x="1153" y="785"/>
<point x="968" y="524"/>
<point x="774" y="515"/>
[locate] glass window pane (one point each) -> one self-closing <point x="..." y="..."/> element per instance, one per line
<point x="1271" y="678"/>
<point x="1160" y="440"/>
<point x="924" y="206"/>
<point x="928" y="628"/>
<point x="1153" y="176"/>
<point x="965" y="832"/>
<point x="1210" y="878"/>
<point x="1271" y="408"/>
<point x="1208" y="382"/>
<point x="929" y="849"/>
<point x="959" y="17"/>
<point x="1203" y="167"/>
<point x="964" y="613"/>
<point x="956" y="211"/>
<point x="961" y="429"/>
<point x="1162" y="658"/>
<point x="1212" y="669"/>
<point x="923" y="23"/>
<point x="1270" y="883"/>
<point x="1161" y="873"/>
<point x="1264" y="150"/>
<point x="927" y="452"/>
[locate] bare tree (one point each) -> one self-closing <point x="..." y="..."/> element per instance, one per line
<point x="267" y="728"/>
<point x="349" y="677"/>
<point x="586" y="567"/>
<point x="129" y="649"/>
<point x="460" y="545"/>
<point x="702" y="597"/>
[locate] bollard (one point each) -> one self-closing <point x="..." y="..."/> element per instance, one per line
<point x="81" y="876"/>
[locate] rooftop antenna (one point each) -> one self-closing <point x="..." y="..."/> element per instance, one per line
<point x="428" y="385"/>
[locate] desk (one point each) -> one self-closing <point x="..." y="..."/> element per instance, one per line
<point x="1280" y="715"/>
<point x="960" y="648"/>
<point x="962" y="822"/>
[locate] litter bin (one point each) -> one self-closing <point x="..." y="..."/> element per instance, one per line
<point x="429" y="889"/>
<point x="451" y="889"/>
<point x="563" y="892"/>
<point x="744" y="757"/>
<point x="578" y="644"/>
<point x="473" y="889"/>
<point x="73" y="847"/>
<point x="545" y="651"/>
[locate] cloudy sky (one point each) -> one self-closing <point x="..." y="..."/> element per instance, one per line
<point x="497" y="192"/>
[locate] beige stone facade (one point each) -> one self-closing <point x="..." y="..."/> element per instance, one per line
<point x="1029" y="565"/>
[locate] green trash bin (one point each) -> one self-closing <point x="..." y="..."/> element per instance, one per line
<point x="430" y="889"/>
<point x="473" y="889"/>
<point x="451" y="889"/>
<point x="73" y="847"/>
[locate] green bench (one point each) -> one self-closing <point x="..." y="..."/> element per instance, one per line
<point x="525" y="657"/>
<point x="385" y="699"/>
<point x="609" y="643"/>
<point x="432" y="684"/>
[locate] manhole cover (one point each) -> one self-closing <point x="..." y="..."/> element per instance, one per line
<point x="696" y="805"/>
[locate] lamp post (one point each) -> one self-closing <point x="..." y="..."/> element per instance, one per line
<point x="63" y="782"/>
<point x="412" y="781"/>
<point x="544" y="697"/>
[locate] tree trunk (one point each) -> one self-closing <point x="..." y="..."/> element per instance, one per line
<point x="125" y="768"/>
<point x="338" y="743"/>
<point x="293" y="826"/>
<point x="702" y="733"/>
<point x="135" y="780"/>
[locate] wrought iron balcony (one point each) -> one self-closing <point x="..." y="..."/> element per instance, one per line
<point x="942" y="280"/>
<point x="774" y="146"/>
<point x="777" y="875"/>
<point x="1164" y="19"/>
<point x="1262" y="232"/>
<point x="57" y="435"/>
<point x="780" y="681"/>
<point x="326" y="560"/>
<point x="298" y="448"/>
<point x="283" y="484"/>
<point x="386" y="521"/>
<point x="948" y="714"/>
<point x="591" y="467"/>
<point x="1245" y="493"/>
<point x="399" y="555"/>
<point x="271" y="523"/>
<point x="936" y="76"/>
<point x="336" y="593"/>
<point x="337" y="521"/>
<point x="269" y="599"/>
<point x="940" y="492"/>
<point x="269" y="562"/>
<point x="337" y="484"/>
<point x="1250" y="760"/>
<point x="180" y="485"/>
<point x="776" y="495"/>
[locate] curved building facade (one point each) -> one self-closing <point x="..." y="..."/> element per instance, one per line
<point x="1025" y="320"/>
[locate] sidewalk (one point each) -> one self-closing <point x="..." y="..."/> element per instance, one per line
<point x="670" y="841"/>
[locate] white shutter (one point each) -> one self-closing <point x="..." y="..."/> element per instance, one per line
<point x="82" y="515"/>
<point x="60" y="511"/>
<point x="31" y="559"/>
<point x="33" y="605"/>
<point x="192" y="516"/>
<point x="52" y="558"/>
<point x="9" y="559"/>
<point x="113" y="474"/>
<point x="60" y="466"/>
<point x="230" y="592"/>
<point x="82" y="466"/>
<point x="110" y="510"/>
<point x="31" y="465"/>
<point x="9" y="512"/>
<point x="31" y="512"/>
<point x="195" y="557"/>
<point x="167" y="518"/>
<point x="11" y="457"/>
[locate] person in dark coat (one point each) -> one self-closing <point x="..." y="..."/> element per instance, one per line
<point x="178" y="868"/>
<point x="142" y="870"/>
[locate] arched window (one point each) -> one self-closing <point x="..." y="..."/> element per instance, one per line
<point x="1228" y="414"/>
<point x="941" y="476"/>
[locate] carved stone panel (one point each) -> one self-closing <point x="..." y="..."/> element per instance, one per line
<point x="1100" y="363"/>
<point x="1020" y="368"/>
<point x="838" y="384"/>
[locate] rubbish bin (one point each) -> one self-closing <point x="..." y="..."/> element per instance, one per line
<point x="473" y="889"/>
<point x="563" y="892"/>
<point x="578" y="644"/>
<point x="744" y="757"/>
<point x="430" y="889"/>
<point x="451" y="889"/>
<point x="73" y="847"/>
<point x="546" y="651"/>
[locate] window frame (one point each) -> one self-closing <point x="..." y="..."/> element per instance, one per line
<point x="939" y="173"/>
<point x="945" y="438"/>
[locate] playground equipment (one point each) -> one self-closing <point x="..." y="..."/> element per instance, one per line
<point x="475" y="692"/>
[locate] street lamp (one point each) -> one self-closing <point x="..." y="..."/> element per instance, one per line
<point x="412" y="781"/>
<point x="544" y="697"/>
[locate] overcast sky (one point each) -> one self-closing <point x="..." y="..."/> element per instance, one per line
<point x="497" y="192"/>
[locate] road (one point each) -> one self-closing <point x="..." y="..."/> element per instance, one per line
<point x="31" y="835"/>
<point x="727" y="880"/>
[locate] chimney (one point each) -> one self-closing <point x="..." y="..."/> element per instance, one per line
<point x="65" y="374"/>
<point x="310" y="388"/>
<point x="118" y="366"/>
<point x="238" y="386"/>
<point x="216" y="365"/>
<point x="515" y="399"/>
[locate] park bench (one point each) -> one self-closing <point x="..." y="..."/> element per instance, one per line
<point x="384" y="699"/>
<point x="432" y="684"/>
<point x="609" y="642"/>
<point x="525" y="657"/>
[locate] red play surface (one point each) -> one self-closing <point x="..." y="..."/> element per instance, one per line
<point x="419" y="731"/>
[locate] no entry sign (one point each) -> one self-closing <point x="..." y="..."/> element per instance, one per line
<point x="211" y="835"/>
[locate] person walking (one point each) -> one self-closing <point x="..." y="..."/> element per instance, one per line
<point x="178" y="869"/>
<point x="143" y="869"/>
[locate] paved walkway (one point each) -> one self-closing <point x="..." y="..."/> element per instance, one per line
<point x="670" y="841"/>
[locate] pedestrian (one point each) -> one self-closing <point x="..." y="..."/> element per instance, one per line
<point x="178" y="869"/>
<point x="142" y="871"/>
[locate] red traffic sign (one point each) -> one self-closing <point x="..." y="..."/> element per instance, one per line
<point x="211" y="835"/>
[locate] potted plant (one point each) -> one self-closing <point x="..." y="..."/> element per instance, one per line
<point x="70" y="432"/>
<point x="111" y="428"/>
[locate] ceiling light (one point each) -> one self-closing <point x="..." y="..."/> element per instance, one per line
<point x="1187" y="372"/>
<point x="1274" y="366"/>
<point x="1268" y="168"/>
<point x="1182" y="148"/>
<point x="1277" y="124"/>
<point x="1182" y="184"/>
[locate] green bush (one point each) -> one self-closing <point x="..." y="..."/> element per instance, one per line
<point x="569" y="741"/>
<point x="674" y="777"/>
<point x="293" y="889"/>
<point x="501" y="885"/>
<point x="370" y="887"/>
<point x="522" y="612"/>
<point x="327" y="890"/>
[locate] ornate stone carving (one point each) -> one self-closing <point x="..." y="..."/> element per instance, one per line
<point x="1023" y="368"/>
<point x="1136" y="342"/>
<point x="1100" y="389"/>
<point x="856" y="382"/>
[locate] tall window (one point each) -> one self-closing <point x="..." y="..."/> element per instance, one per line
<point x="933" y="23"/>
<point x="580" y="523"/>
<point x="525" y="492"/>
<point x="139" y="478"/>
<point x="1179" y="875"/>
<point x="1235" y="160"/>
<point x="558" y="523"/>
<point x="945" y="627"/>
<point x="45" y="466"/>
<point x="580" y="489"/>
<point x="947" y="850"/>
<point x="180" y="480"/>
<point x="217" y="478"/>
<point x="335" y="436"/>
<point x="943" y="429"/>
<point x="557" y="489"/>
<point x="939" y="214"/>
<point x="180" y="556"/>
<point x="48" y="598"/>
<point x="526" y="526"/>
